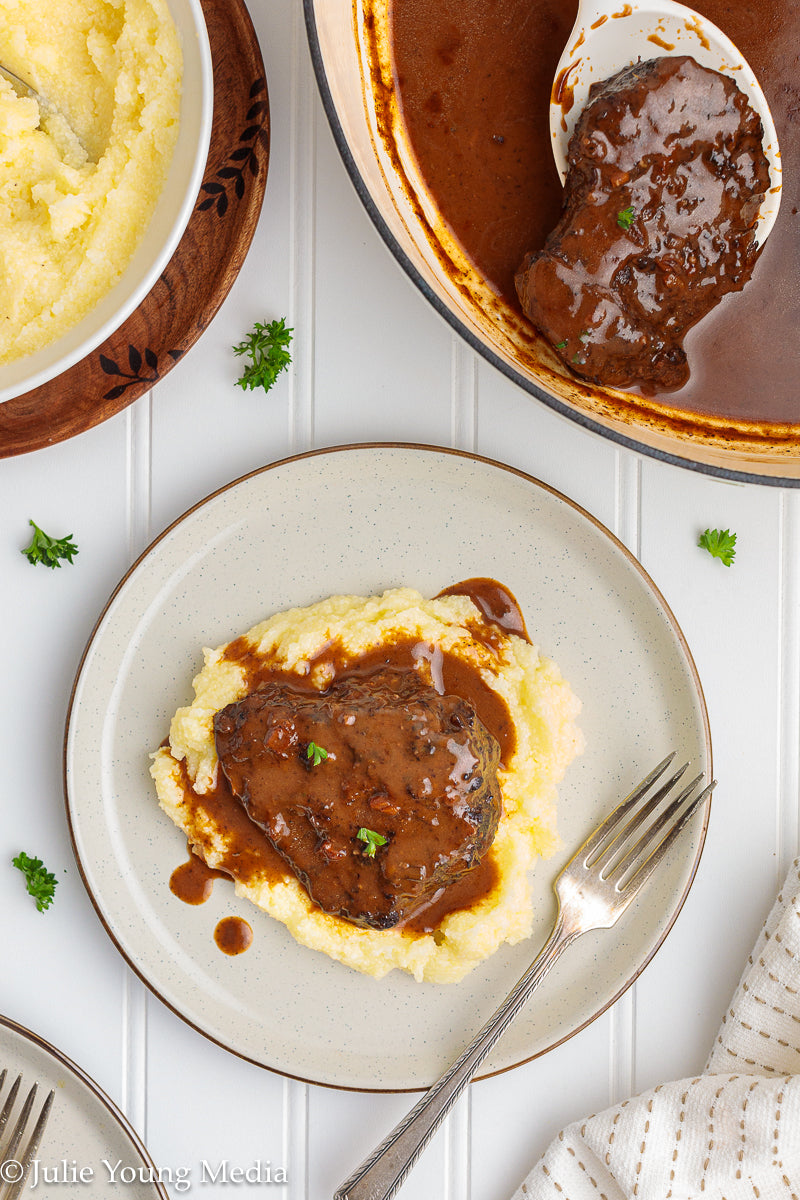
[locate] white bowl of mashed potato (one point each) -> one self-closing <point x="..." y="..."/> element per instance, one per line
<point x="93" y="207"/>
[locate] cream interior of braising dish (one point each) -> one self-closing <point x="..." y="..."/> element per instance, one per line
<point x="73" y="206"/>
<point x="543" y="709"/>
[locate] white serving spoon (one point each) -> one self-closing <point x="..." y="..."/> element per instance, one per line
<point x="609" y="35"/>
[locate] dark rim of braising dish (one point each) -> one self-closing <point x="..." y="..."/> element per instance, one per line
<point x="421" y="448"/>
<point x="453" y="321"/>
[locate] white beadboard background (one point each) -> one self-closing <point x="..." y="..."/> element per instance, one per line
<point x="372" y="361"/>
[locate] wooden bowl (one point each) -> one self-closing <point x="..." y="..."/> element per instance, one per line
<point x="164" y="230"/>
<point x="199" y="275"/>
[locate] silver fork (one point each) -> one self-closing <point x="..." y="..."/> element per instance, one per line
<point x="15" y="1163"/>
<point x="593" y="891"/>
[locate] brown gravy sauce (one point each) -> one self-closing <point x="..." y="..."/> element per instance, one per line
<point x="193" y="882"/>
<point x="474" y="82"/>
<point x="233" y="935"/>
<point x="251" y="856"/>
<point x="496" y="603"/>
<point x="449" y="675"/>
<point x="663" y="149"/>
<point x="563" y="92"/>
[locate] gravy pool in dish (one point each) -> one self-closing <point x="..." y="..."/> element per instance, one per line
<point x="460" y="685"/>
<point x="474" y="88"/>
<point x="72" y="210"/>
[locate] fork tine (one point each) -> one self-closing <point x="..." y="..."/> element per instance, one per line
<point x="616" y="846"/>
<point x="33" y="1145"/>
<point x="16" y="1137"/>
<point x="640" y="877"/>
<point x="596" y="839"/>
<point x="631" y="850"/>
<point x="9" y="1104"/>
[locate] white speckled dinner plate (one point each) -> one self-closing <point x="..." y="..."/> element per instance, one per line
<point x="85" y="1131"/>
<point x="360" y="519"/>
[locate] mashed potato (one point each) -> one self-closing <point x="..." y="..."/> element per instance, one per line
<point x="543" y="709"/>
<point x="72" y="209"/>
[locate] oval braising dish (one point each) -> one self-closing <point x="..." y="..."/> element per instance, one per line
<point x="461" y="190"/>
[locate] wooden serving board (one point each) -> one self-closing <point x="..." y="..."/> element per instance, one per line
<point x="200" y="273"/>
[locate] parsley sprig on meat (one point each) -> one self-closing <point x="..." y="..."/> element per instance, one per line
<point x="371" y="839"/>
<point x="316" y="754"/>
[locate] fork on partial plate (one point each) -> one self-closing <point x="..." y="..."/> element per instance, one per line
<point x="593" y="891"/>
<point x="16" y="1158"/>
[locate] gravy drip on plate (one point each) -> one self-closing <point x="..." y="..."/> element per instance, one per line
<point x="233" y="935"/>
<point x="474" y="82"/>
<point x="497" y="605"/>
<point x="193" y="882"/>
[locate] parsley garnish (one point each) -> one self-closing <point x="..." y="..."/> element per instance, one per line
<point x="625" y="217"/>
<point x="316" y="754"/>
<point x="720" y="543"/>
<point x="41" y="884"/>
<point x="47" y="550"/>
<point x="561" y="345"/>
<point x="266" y="349"/>
<point x="371" y="839"/>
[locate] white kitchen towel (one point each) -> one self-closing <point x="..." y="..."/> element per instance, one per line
<point x="734" y="1131"/>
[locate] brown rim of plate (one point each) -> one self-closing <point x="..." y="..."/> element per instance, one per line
<point x="425" y="447"/>
<point x="200" y="273"/>
<point x="118" y="1116"/>
<point x="751" y="452"/>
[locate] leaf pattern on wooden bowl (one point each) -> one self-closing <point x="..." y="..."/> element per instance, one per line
<point x="245" y="158"/>
<point x="136" y="360"/>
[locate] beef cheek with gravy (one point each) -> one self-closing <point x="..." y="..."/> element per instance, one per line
<point x="666" y="176"/>
<point x="384" y="754"/>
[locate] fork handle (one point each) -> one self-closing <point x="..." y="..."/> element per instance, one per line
<point x="383" y="1171"/>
